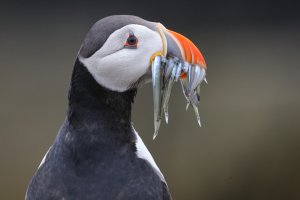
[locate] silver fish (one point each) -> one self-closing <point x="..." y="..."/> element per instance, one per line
<point x="156" y="86"/>
<point x="205" y="80"/>
<point x="195" y="107"/>
<point x="166" y="71"/>
<point x="198" y="92"/>
<point x="185" y="67"/>
<point x="169" y="67"/>
<point x="195" y="79"/>
<point x="178" y="71"/>
<point x="167" y="94"/>
<point x="184" y="87"/>
<point x="191" y="78"/>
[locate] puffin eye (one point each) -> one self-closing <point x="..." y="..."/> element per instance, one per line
<point x="131" y="41"/>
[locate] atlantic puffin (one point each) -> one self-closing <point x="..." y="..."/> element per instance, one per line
<point x="97" y="154"/>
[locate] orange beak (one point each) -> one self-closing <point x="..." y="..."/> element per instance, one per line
<point x="181" y="47"/>
<point x="175" y="44"/>
<point x="189" y="51"/>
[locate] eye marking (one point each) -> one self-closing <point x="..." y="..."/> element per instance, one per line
<point x="131" y="42"/>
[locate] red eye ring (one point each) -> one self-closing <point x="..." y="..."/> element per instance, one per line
<point x="131" y="41"/>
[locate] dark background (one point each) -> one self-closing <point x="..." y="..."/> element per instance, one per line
<point x="249" y="145"/>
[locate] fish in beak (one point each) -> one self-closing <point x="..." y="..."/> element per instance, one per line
<point x="179" y="61"/>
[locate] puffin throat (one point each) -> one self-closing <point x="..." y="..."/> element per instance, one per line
<point x="96" y="110"/>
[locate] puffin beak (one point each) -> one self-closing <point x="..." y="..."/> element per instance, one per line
<point x="180" y="60"/>
<point x="187" y="50"/>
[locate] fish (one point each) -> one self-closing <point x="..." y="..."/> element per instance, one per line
<point x="165" y="72"/>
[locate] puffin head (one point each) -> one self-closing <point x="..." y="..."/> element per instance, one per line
<point x="118" y="50"/>
<point x="123" y="52"/>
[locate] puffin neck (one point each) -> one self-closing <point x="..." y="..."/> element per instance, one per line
<point x="96" y="110"/>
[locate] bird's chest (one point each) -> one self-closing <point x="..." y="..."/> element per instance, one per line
<point x="118" y="178"/>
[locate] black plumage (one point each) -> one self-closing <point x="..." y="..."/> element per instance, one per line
<point x="94" y="153"/>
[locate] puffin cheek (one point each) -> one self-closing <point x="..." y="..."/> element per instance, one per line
<point x="135" y="71"/>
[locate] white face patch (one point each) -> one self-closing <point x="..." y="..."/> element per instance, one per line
<point x="116" y="67"/>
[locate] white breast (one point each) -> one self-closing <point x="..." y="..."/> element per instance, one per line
<point x="143" y="153"/>
<point x="43" y="161"/>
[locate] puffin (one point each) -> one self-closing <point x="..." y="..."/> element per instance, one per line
<point x="97" y="154"/>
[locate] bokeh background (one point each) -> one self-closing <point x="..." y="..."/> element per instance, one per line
<point x="249" y="145"/>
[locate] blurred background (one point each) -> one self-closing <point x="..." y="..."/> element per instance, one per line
<point x="249" y="145"/>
